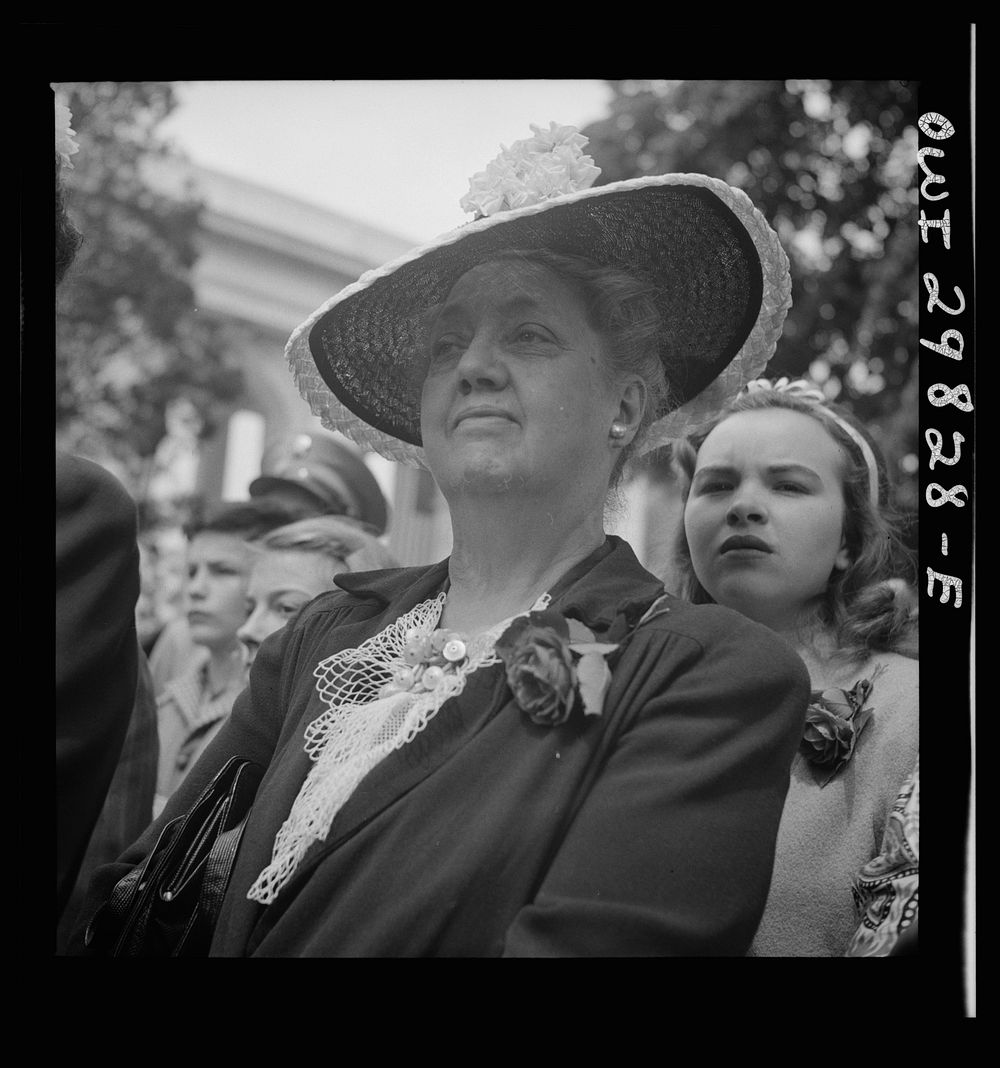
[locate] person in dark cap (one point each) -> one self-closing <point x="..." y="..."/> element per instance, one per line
<point x="309" y="474"/>
<point x="315" y="470"/>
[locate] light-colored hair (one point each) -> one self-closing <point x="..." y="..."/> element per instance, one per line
<point x="865" y="605"/>
<point x="339" y="538"/>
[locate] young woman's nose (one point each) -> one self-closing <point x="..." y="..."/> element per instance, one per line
<point x="254" y="630"/>
<point x="481" y="366"/>
<point x="746" y="507"/>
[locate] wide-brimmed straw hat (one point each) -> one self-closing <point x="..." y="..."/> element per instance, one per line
<point x="720" y="276"/>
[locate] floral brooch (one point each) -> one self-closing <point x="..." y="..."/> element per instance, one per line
<point x="835" y="720"/>
<point x="553" y="665"/>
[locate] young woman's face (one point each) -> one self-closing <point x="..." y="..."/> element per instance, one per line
<point x="218" y="567"/>
<point x="515" y="392"/>
<point x="282" y="581"/>
<point x="764" y="518"/>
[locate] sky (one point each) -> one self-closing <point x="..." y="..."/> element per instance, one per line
<point x="395" y="154"/>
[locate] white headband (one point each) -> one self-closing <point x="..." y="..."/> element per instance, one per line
<point x="804" y="391"/>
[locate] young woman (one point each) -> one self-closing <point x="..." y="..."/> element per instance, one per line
<point x="786" y="520"/>
<point x="298" y="562"/>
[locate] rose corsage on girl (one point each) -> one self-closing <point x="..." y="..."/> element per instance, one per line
<point x="835" y="720"/>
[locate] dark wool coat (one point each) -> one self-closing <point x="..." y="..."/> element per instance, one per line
<point x="97" y="651"/>
<point x="647" y="830"/>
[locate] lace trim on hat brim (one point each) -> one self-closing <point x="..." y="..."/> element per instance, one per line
<point x="749" y="362"/>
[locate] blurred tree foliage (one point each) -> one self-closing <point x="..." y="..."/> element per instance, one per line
<point x="831" y="164"/>
<point x="128" y="337"/>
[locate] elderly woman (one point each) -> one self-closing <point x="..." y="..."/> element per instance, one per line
<point x="526" y="749"/>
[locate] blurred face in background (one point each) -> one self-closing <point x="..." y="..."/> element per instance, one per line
<point x="282" y="581"/>
<point x="218" y="569"/>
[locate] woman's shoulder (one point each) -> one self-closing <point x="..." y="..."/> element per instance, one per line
<point x="712" y="624"/>
<point x="891" y="677"/>
<point x="360" y="599"/>
<point x="896" y="671"/>
<point x="723" y="636"/>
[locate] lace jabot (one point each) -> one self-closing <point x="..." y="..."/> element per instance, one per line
<point x="363" y="723"/>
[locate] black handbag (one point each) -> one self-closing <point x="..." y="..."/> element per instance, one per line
<point x="167" y="906"/>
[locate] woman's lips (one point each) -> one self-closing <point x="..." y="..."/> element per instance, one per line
<point x="743" y="542"/>
<point x="482" y="414"/>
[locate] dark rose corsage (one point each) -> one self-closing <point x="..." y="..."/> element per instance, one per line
<point x="554" y="665"/>
<point x="835" y="720"/>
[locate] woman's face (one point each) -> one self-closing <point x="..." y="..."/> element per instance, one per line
<point x="764" y="518"/>
<point x="218" y="567"/>
<point x="515" y="393"/>
<point x="282" y="581"/>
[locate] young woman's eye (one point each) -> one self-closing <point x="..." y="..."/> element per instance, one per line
<point x="791" y="487"/>
<point x="288" y="608"/>
<point x="715" y="485"/>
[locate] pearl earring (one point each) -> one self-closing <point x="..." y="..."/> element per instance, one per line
<point x="618" y="429"/>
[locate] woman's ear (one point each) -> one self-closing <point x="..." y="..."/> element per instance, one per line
<point x="631" y="407"/>
<point x="842" y="561"/>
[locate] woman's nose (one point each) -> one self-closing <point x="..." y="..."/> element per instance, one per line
<point x="254" y="630"/>
<point x="746" y="507"/>
<point x="481" y="366"/>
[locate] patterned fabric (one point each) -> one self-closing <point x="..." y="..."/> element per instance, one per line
<point x="885" y="890"/>
<point x="188" y="718"/>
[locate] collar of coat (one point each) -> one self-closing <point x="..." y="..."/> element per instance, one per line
<point x="609" y="598"/>
<point x="188" y="692"/>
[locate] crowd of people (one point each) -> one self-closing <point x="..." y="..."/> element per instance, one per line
<point x="531" y="748"/>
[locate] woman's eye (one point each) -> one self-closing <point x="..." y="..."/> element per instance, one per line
<point x="444" y="347"/>
<point x="288" y="608"/>
<point x="715" y="486"/>
<point x="529" y="334"/>
<point x="791" y="487"/>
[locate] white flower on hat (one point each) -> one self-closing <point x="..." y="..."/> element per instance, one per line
<point x="547" y="165"/>
<point x="65" y="145"/>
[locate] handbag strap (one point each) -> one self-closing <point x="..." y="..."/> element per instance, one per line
<point x="221" y="859"/>
<point x="183" y="853"/>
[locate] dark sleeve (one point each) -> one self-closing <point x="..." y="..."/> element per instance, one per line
<point x="670" y="853"/>
<point x="97" y="585"/>
<point x="128" y="808"/>
<point x="251" y="731"/>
